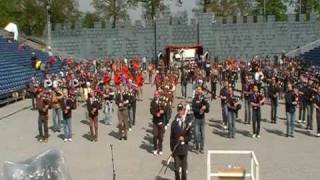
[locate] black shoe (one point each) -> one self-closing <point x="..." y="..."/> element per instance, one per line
<point x="125" y="138"/>
<point x="120" y="138"/>
<point x="201" y="151"/>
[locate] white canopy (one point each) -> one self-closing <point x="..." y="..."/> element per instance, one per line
<point x="13" y="28"/>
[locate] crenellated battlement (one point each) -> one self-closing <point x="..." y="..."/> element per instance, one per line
<point x="239" y="36"/>
<point x="202" y="18"/>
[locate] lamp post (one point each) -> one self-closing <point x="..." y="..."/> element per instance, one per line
<point x="264" y="7"/>
<point x="300" y="4"/>
<point x="49" y="23"/>
<point x="198" y="30"/>
<point x="155" y="39"/>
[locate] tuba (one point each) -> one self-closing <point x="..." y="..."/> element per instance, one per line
<point x="75" y="83"/>
<point x="47" y="83"/>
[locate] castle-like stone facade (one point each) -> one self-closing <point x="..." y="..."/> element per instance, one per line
<point x="241" y="37"/>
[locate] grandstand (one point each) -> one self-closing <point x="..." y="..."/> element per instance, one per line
<point x="16" y="69"/>
<point x="312" y="56"/>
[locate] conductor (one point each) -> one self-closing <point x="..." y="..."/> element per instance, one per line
<point x="178" y="143"/>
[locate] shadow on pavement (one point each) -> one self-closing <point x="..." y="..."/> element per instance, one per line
<point x="147" y="142"/>
<point x="114" y="134"/>
<point x="275" y="131"/>
<point x="87" y="136"/>
<point x="244" y="133"/>
<point x="304" y="132"/>
<point x="160" y="178"/>
<point x="85" y="122"/>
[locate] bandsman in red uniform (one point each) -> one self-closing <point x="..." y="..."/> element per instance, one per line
<point x="139" y="82"/>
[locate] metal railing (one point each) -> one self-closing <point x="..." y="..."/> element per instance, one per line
<point x="253" y="174"/>
<point x="304" y="49"/>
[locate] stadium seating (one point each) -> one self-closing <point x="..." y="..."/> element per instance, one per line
<point x="312" y="56"/>
<point x="16" y="70"/>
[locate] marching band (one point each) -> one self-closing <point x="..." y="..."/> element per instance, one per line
<point x="104" y="84"/>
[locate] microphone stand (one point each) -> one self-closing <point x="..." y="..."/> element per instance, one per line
<point x="113" y="170"/>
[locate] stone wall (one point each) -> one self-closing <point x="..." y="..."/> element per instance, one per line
<point x="241" y="37"/>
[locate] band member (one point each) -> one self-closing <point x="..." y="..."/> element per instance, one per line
<point x="43" y="107"/>
<point x="158" y="80"/>
<point x="157" y="120"/>
<point x="199" y="106"/>
<point x="317" y="106"/>
<point x="32" y="90"/>
<point x="139" y="81"/>
<point x="93" y="110"/>
<point x="303" y="90"/>
<point x="56" y="109"/>
<point x="273" y="95"/>
<point x="309" y="103"/>
<point x="257" y="100"/>
<point x="224" y="107"/>
<point x="291" y="100"/>
<point x="83" y="87"/>
<point x="150" y="71"/>
<point x="213" y="82"/>
<point x="232" y="110"/>
<point x="184" y="83"/>
<point x="122" y="101"/>
<point x="108" y="106"/>
<point x="178" y="144"/>
<point x="66" y="105"/>
<point x="258" y="77"/>
<point x="132" y="106"/>
<point x="247" y="104"/>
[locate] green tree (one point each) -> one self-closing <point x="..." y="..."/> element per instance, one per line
<point x="89" y="18"/>
<point x="63" y="11"/>
<point x="151" y="7"/>
<point x="8" y="12"/>
<point x="31" y="15"/>
<point x="112" y="10"/>
<point x="307" y="6"/>
<point x="273" y="7"/>
<point x="225" y="7"/>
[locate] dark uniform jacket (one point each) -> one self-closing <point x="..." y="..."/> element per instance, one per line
<point x="273" y="90"/>
<point x="197" y="103"/>
<point x="154" y="109"/>
<point x="40" y="106"/>
<point x="66" y="103"/>
<point x="176" y="132"/>
<point x="124" y="100"/>
<point x="91" y="105"/>
<point x="289" y="99"/>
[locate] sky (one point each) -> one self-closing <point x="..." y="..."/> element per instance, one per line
<point x="136" y="13"/>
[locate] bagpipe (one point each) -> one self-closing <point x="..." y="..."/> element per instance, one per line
<point x="235" y="103"/>
<point x="259" y="98"/>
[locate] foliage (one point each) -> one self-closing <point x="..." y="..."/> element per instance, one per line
<point x="88" y="19"/>
<point x="278" y="8"/>
<point x="307" y="6"/>
<point x="112" y="10"/>
<point x="31" y="15"/>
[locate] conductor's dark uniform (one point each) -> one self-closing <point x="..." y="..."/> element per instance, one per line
<point x="179" y="148"/>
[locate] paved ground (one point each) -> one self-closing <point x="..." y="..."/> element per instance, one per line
<point x="280" y="158"/>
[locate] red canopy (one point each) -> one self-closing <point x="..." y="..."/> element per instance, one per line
<point x="186" y="46"/>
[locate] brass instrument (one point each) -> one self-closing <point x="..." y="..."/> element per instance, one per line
<point x="163" y="102"/>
